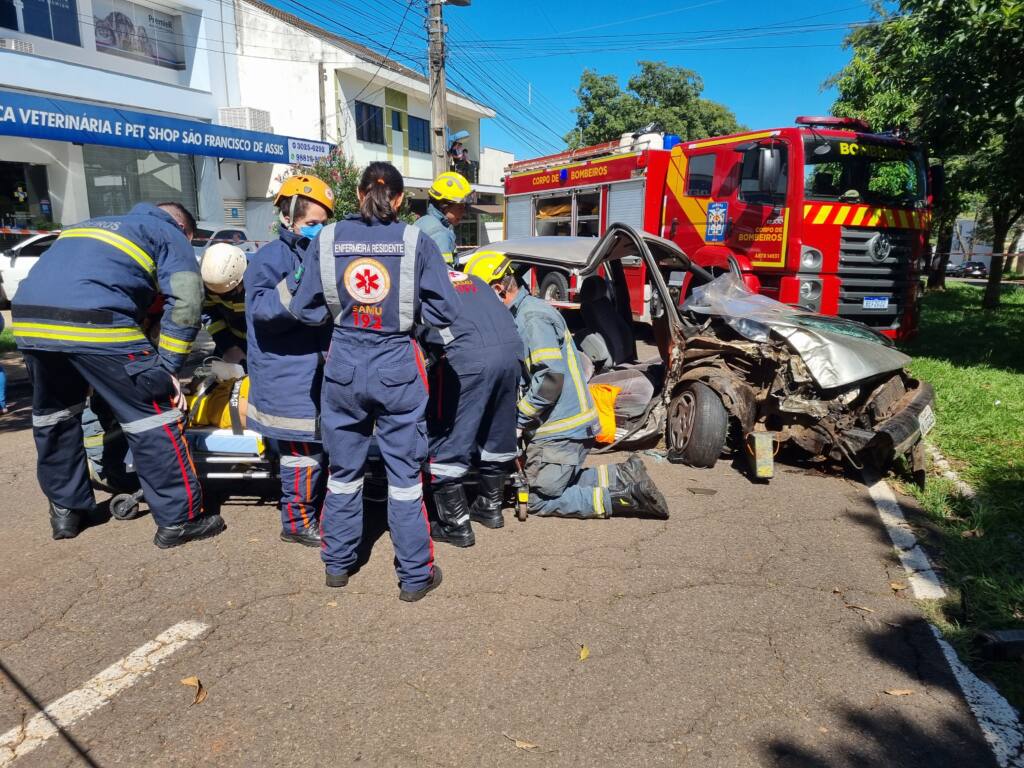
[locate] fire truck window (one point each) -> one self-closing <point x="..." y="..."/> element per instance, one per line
<point x="554" y="215"/>
<point x="588" y="214"/>
<point x="750" y="181"/>
<point x="701" y="173"/>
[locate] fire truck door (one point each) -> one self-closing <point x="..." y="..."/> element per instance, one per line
<point x="758" y="216"/>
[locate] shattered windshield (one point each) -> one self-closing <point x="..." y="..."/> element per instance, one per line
<point x="862" y="172"/>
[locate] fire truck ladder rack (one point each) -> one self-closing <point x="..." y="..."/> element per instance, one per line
<point x="571" y="156"/>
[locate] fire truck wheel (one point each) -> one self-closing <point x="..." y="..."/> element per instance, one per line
<point x="697" y="426"/>
<point x="554" y="287"/>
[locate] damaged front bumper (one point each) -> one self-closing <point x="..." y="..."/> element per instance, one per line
<point x="897" y="434"/>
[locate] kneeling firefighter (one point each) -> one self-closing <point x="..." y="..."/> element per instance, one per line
<point x="286" y="359"/>
<point x="448" y="195"/>
<point x="374" y="278"/>
<point x="471" y="413"/>
<point x="222" y="267"/>
<point x="76" y="320"/>
<point x="557" y="417"/>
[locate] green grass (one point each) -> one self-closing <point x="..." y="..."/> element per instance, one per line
<point x="6" y="340"/>
<point x="975" y="361"/>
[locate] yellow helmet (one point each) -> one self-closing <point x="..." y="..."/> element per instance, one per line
<point x="450" y="187"/>
<point x="307" y="186"/>
<point x="489" y="266"/>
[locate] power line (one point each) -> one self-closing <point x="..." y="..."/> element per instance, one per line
<point x="390" y="48"/>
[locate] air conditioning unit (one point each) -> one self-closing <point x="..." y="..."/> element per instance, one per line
<point x="234" y="212"/>
<point x="246" y="118"/>
<point x="18" y="46"/>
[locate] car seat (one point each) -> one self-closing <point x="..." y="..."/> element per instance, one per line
<point x="604" y="321"/>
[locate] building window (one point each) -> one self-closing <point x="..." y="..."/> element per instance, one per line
<point x="138" y="32"/>
<point x="419" y="134"/>
<point x="53" y="19"/>
<point x="396" y="120"/>
<point x="116" y="178"/>
<point x="702" y="172"/>
<point x="369" y="123"/>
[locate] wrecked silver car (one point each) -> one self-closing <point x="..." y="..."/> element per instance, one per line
<point x="735" y="370"/>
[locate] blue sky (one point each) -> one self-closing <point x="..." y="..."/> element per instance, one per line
<point x="766" y="61"/>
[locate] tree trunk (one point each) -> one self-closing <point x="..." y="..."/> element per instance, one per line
<point x="1000" y="227"/>
<point x="937" y="273"/>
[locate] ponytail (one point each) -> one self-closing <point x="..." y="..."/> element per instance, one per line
<point x="381" y="183"/>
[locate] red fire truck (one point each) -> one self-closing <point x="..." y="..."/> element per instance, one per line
<point x="826" y="214"/>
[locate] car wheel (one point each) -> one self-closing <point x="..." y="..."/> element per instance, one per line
<point x="698" y="426"/>
<point x="554" y="287"/>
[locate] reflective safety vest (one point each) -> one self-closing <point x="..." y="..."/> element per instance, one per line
<point x="555" y="407"/>
<point x="90" y="290"/>
<point x="372" y="279"/>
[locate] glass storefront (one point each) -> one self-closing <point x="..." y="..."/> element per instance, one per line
<point x="117" y="179"/>
<point x="24" y="195"/>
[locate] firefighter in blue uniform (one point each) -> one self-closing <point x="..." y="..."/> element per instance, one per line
<point x="222" y="268"/>
<point x="286" y="359"/>
<point x="448" y="195"/>
<point x="375" y="278"/>
<point x="557" y="417"/>
<point x="76" y="320"/>
<point x="471" y="416"/>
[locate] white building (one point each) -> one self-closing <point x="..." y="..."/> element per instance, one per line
<point x="105" y="103"/>
<point x="372" y="107"/>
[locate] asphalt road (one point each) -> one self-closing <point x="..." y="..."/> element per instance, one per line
<point x="756" y="627"/>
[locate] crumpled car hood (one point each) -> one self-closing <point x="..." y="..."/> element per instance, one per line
<point x="837" y="352"/>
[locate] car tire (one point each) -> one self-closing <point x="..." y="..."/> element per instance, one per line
<point x="698" y="426"/>
<point x="554" y="287"/>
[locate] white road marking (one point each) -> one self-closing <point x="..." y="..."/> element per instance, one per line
<point x="998" y="720"/>
<point x="97" y="692"/>
<point x="924" y="582"/>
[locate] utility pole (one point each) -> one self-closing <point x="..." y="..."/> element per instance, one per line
<point x="438" y="89"/>
<point x="321" y="77"/>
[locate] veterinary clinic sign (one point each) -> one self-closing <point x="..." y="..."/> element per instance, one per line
<point x="42" y="117"/>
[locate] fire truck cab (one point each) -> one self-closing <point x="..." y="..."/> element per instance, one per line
<point x="826" y="214"/>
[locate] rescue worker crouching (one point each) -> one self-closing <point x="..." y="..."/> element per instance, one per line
<point x="76" y="320"/>
<point x="471" y="413"/>
<point x="375" y="277"/>
<point x="449" y="194"/>
<point x="286" y="359"/>
<point x="557" y="417"/>
<point x="222" y="267"/>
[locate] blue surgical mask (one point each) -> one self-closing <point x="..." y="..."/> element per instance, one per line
<point x="311" y="230"/>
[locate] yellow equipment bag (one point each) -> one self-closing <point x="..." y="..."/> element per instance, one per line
<point x="223" y="406"/>
<point x="604" y="402"/>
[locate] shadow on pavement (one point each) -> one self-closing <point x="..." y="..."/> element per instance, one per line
<point x="19" y="416"/>
<point x="79" y="750"/>
<point x="881" y="735"/>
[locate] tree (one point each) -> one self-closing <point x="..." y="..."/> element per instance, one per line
<point x="341" y="174"/>
<point x="950" y="70"/>
<point x="658" y="93"/>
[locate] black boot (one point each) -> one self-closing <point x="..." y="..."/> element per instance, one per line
<point x="65" y="523"/>
<point x="631" y="471"/>
<point x="452" y="524"/>
<point x="486" y="508"/>
<point x="201" y="528"/>
<point x="639" y="499"/>
<point x="410" y="596"/>
<point x="309" y="537"/>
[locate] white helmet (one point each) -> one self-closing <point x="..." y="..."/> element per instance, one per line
<point x="223" y="266"/>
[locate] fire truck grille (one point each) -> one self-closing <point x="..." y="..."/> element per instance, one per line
<point x="880" y="281"/>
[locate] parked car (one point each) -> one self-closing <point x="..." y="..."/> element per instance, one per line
<point x="733" y="363"/>
<point x="16" y="262"/>
<point x="975" y="269"/>
<point x="208" y="233"/>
